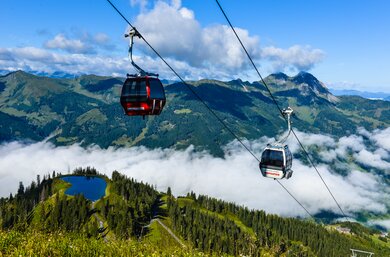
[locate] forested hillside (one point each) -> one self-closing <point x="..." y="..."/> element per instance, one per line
<point x="133" y="217"/>
<point x="87" y="110"/>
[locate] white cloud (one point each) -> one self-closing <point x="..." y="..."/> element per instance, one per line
<point x="294" y="58"/>
<point x="222" y="48"/>
<point x="383" y="223"/>
<point x="195" y="52"/>
<point x="82" y="43"/>
<point x="37" y="59"/>
<point x="328" y="155"/>
<point x="311" y="139"/>
<point x="174" y="31"/>
<point x="176" y="3"/>
<point x="353" y="143"/>
<point x="70" y="45"/>
<point x="101" y="38"/>
<point x="202" y="173"/>
<point x="382" y="138"/>
<point x="29" y="53"/>
<point x="372" y="160"/>
<point x="384" y="154"/>
<point x="350" y="148"/>
<point x="310" y="190"/>
<point x="141" y="3"/>
<point x="84" y="54"/>
<point x="362" y="131"/>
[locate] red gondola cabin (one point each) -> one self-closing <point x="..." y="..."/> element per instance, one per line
<point x="142" y="95"/>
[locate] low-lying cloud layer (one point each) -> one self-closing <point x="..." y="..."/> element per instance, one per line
<point x="234" y="178"/>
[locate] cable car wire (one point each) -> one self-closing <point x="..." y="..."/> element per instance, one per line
<point x="205" y="104"/>
<point x="319" y="174"/>
<point x="250" y="59"/>
<point x="188" y="86"/>
<point x="280" y="183"/>
<point x="280" y="109"/>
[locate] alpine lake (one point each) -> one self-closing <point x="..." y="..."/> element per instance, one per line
<point x="93" y="188"/>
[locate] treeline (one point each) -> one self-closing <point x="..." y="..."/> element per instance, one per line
<point x="199" y="222"/>
<point x="29" y="208"/>
<point x="210" y="225"/>
<point x="16" y="210"/>
<point x="216" y="229"/>
<point x="210" y="233"/>
<point x="130" y="206"/>
<point x="127" y="211"/>
<point x="67" y="214"/>
<point x="88" y="171"/>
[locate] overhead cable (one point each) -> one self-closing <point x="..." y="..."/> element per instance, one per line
<point x="280" y="109"/>
<point x="202" y="101"/>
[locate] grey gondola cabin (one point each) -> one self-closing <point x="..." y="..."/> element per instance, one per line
<point x="276" y="162"/>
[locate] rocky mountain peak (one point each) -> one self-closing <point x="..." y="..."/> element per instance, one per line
<point x="279" y="76"/>
<point x="307" y="78"/>
<point x="303" y="83"/>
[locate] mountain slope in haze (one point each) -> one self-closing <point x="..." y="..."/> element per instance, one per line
<point x="87" y="110"/>
<point x="364" y="94"/>
<point x="132" y="211"/>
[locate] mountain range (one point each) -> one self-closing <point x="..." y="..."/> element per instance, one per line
<point x="86" y="110"/>
<point x="365" y="94"/>
<point x="55" y="74"/>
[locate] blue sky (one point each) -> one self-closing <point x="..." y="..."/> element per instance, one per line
<point x="345" y="44"/>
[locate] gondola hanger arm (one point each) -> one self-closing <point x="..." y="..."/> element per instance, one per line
<point x="134" y="33"/>
<point x="287" y="114"/>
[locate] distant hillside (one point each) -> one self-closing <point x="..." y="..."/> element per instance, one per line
<point x="87" y="110"/>
<point x="55" y="74"/>
<point x="365" y="94"/>
<point x="42" y="219"/>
